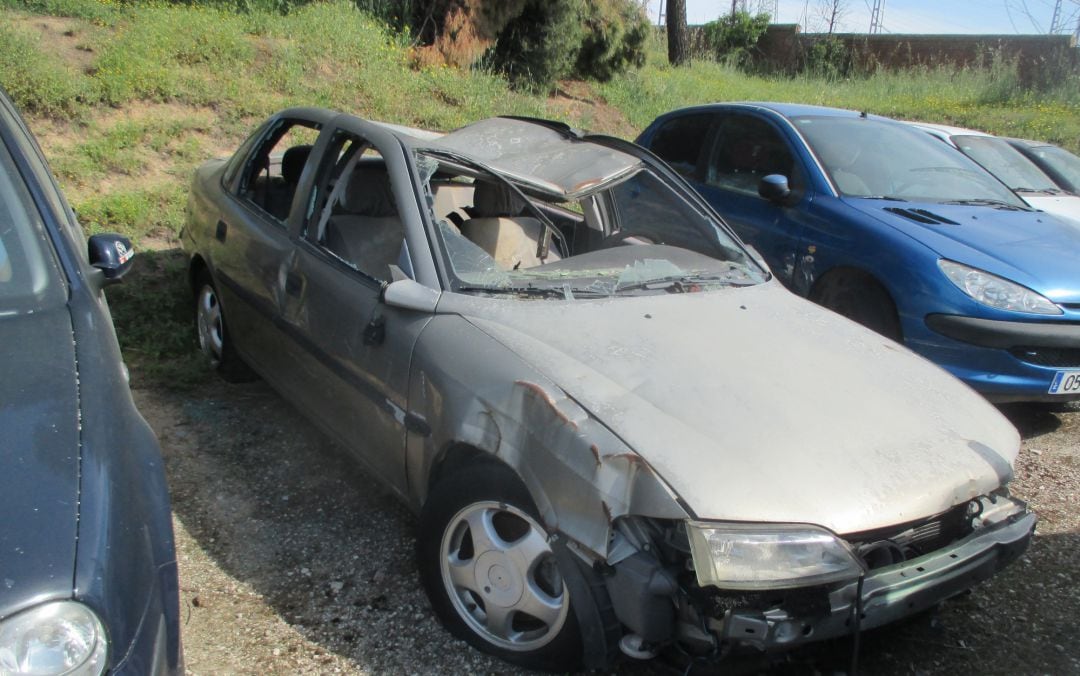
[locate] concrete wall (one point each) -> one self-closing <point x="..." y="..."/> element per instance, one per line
<point x="783" y="48"/>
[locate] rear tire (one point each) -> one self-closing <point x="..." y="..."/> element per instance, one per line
<point x="860" y="298"/>
<point x="212" y="334"/>
<point x="489" y="570"/>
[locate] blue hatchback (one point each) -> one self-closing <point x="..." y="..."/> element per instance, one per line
<point x="897" y="231"/>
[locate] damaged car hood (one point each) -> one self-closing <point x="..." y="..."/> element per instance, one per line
<point x="755" y="405"/>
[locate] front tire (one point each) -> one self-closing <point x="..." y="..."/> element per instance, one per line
<point x="489" y="570"/>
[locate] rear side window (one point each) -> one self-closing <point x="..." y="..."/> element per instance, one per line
<point x="29" y="277"/>
<point x="272" y="172"/>
<point x="680" y="140"/>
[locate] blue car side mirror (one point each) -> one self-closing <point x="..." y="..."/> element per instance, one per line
<point x="112" y="254"/>
<point x="774" y="187"/>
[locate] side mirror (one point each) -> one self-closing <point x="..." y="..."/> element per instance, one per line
<point x="410" y="295"/>
<point x="774" y="188"/>
<point x="112" y="254"/>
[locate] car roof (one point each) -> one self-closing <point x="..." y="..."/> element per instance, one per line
<point x="947" y="130"/>
<point x="780" y="108"/>
<point x="548" y="157"/>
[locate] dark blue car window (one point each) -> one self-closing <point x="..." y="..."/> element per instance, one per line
<point x="680" y="142"/>
<point x="29" y="278"/>
<point x="746" y="150"/>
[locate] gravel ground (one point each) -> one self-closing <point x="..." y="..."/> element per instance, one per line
<point x="292" y="560"/>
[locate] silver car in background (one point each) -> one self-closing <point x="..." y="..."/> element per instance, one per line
<point x="617" y="429"/>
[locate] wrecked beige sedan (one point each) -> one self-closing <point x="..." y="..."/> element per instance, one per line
<point x="618" y="431"/>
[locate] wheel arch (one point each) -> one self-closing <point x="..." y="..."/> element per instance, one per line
<point x="841" y="273"/>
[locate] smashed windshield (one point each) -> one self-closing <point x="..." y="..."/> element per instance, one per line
<point x="887" y="160"/>
<point x="632" y="236"/>
<point x="1005" y="162"/>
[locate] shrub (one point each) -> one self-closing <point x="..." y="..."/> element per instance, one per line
<point x="614" y="41"/>
<point x="732" y="37"/>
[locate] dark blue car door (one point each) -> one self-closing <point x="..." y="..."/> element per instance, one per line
<point x="744" y="149"/>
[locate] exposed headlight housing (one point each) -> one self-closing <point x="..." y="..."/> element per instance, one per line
<point x="766" y="556"/>
<point x="995" y="291"/>
<point x="62" y="637"/>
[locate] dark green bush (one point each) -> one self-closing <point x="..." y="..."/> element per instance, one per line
<point x="541" y="44"/>
<point x="732" y="37"/>
<point x="615" y="36"/>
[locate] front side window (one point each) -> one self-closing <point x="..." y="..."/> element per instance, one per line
<point x="680" y="140"/>
<point x="865" y="157"/>
<point x="352" y="214"/>
<point x="272" y="171"/>
<point x="746" y="150"/>
<point x="29" y="277"/>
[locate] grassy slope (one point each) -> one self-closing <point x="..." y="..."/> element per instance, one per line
<point x="126" y="100"/>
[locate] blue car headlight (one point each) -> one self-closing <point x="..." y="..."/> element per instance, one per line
<point x="61" y="637"/>
<point x="768" y="556"/>
<point x="996" y="292"/>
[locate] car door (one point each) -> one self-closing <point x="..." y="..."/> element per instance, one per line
<point x="348" y="354"/>
<point x="743" y="149"/>
<point x="252" y="244"/>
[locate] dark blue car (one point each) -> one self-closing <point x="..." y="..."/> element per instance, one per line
<point x="88" y="580"/>
<point x="897" y="231"/>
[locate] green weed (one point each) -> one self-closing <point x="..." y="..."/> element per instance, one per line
<point x="37" y="81"/>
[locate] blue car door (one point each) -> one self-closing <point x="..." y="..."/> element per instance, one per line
<point x="741" y="150"/>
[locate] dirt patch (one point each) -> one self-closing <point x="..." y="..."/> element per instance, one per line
<point x="574" y="99"/>
<point x="65" y="38"/>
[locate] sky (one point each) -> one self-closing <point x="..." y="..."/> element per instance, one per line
<point x="904" y="16"/>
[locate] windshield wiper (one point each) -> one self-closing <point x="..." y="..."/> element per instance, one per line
<point x="560" y="292"/>
<point x="888" y="198"/>
<point x="681" y="284"/>
<point x="1044" y="191"/>
<point x="987" y="202"/>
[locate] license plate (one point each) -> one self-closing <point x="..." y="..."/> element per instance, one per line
<point x="1065" y="382"/>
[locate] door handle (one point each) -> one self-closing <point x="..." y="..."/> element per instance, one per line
<point x="375" y="331"/>
<point x="221" y="231"/>
<point x="293" y="284"/>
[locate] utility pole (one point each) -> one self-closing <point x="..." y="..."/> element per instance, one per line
<point x="1056" y="20"/>
<point x="877" y="17"/>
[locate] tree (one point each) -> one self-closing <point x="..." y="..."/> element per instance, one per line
<point x="678" y="35"/>
<point x="832" y="14"/>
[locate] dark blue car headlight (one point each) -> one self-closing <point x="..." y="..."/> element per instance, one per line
<point x="996" y="292"/>
<point x="61" y="637"/>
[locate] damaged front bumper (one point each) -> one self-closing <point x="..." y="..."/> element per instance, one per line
<point x="888" y="594"/>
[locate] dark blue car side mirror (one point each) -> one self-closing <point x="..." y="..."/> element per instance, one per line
<point x="112" y="254"/>
<point x="774" y="187"/>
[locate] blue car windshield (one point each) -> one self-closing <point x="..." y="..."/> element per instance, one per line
<point x="877" y="158"/>
<point x="28" y="273"/>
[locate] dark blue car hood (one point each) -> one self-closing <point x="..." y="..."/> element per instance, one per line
<point x="1030" y="248"/>
<point x="39" y="457"/>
